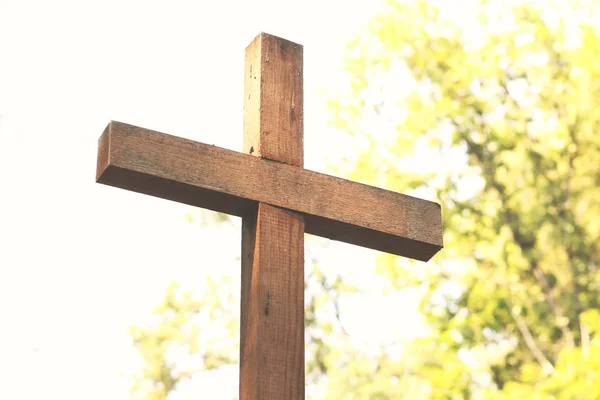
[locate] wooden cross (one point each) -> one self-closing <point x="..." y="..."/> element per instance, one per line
<point x="278" y="201"/>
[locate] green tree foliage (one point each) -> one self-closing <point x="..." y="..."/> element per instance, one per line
<point x="190" y="332"/>
<point x="493" y="109"/>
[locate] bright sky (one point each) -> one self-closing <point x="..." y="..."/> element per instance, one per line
<point x="81" y="262"/>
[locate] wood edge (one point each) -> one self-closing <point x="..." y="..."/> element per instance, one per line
<point x="439" y="241"/>
<point x="417" y="249"/>
<point x="256" y="39"/>
<point x="373" y="239"/>
<point x="251" y="124"/>
<point x="434" y="249"/>
<point x="287" y="42"/>
<point x="103" y="158"/>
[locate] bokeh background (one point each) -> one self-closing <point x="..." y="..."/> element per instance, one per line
<point x="490" y="108"/>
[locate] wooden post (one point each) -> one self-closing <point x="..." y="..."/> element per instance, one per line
<point x="272" y="304"/>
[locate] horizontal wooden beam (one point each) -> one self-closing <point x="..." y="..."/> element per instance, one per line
<point x="206" y="176"/>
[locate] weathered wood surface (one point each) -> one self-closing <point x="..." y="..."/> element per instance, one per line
<point x="273" y="105"/>
<point x="272" y="304"/>
<point x="272" y="314"/>
<point x="222" y="180"/>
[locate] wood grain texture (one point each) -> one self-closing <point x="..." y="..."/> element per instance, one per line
<point x="272" y="306"/>
<point x="207" y="176"/>
<point x="273" y="102"/>
<point x="272" y="314"/>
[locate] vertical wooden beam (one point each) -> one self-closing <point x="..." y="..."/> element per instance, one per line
<point x="273" y="103"/>
<point x="272" y="305"/>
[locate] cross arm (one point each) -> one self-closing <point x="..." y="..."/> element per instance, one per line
<point x="222" y="180"/>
